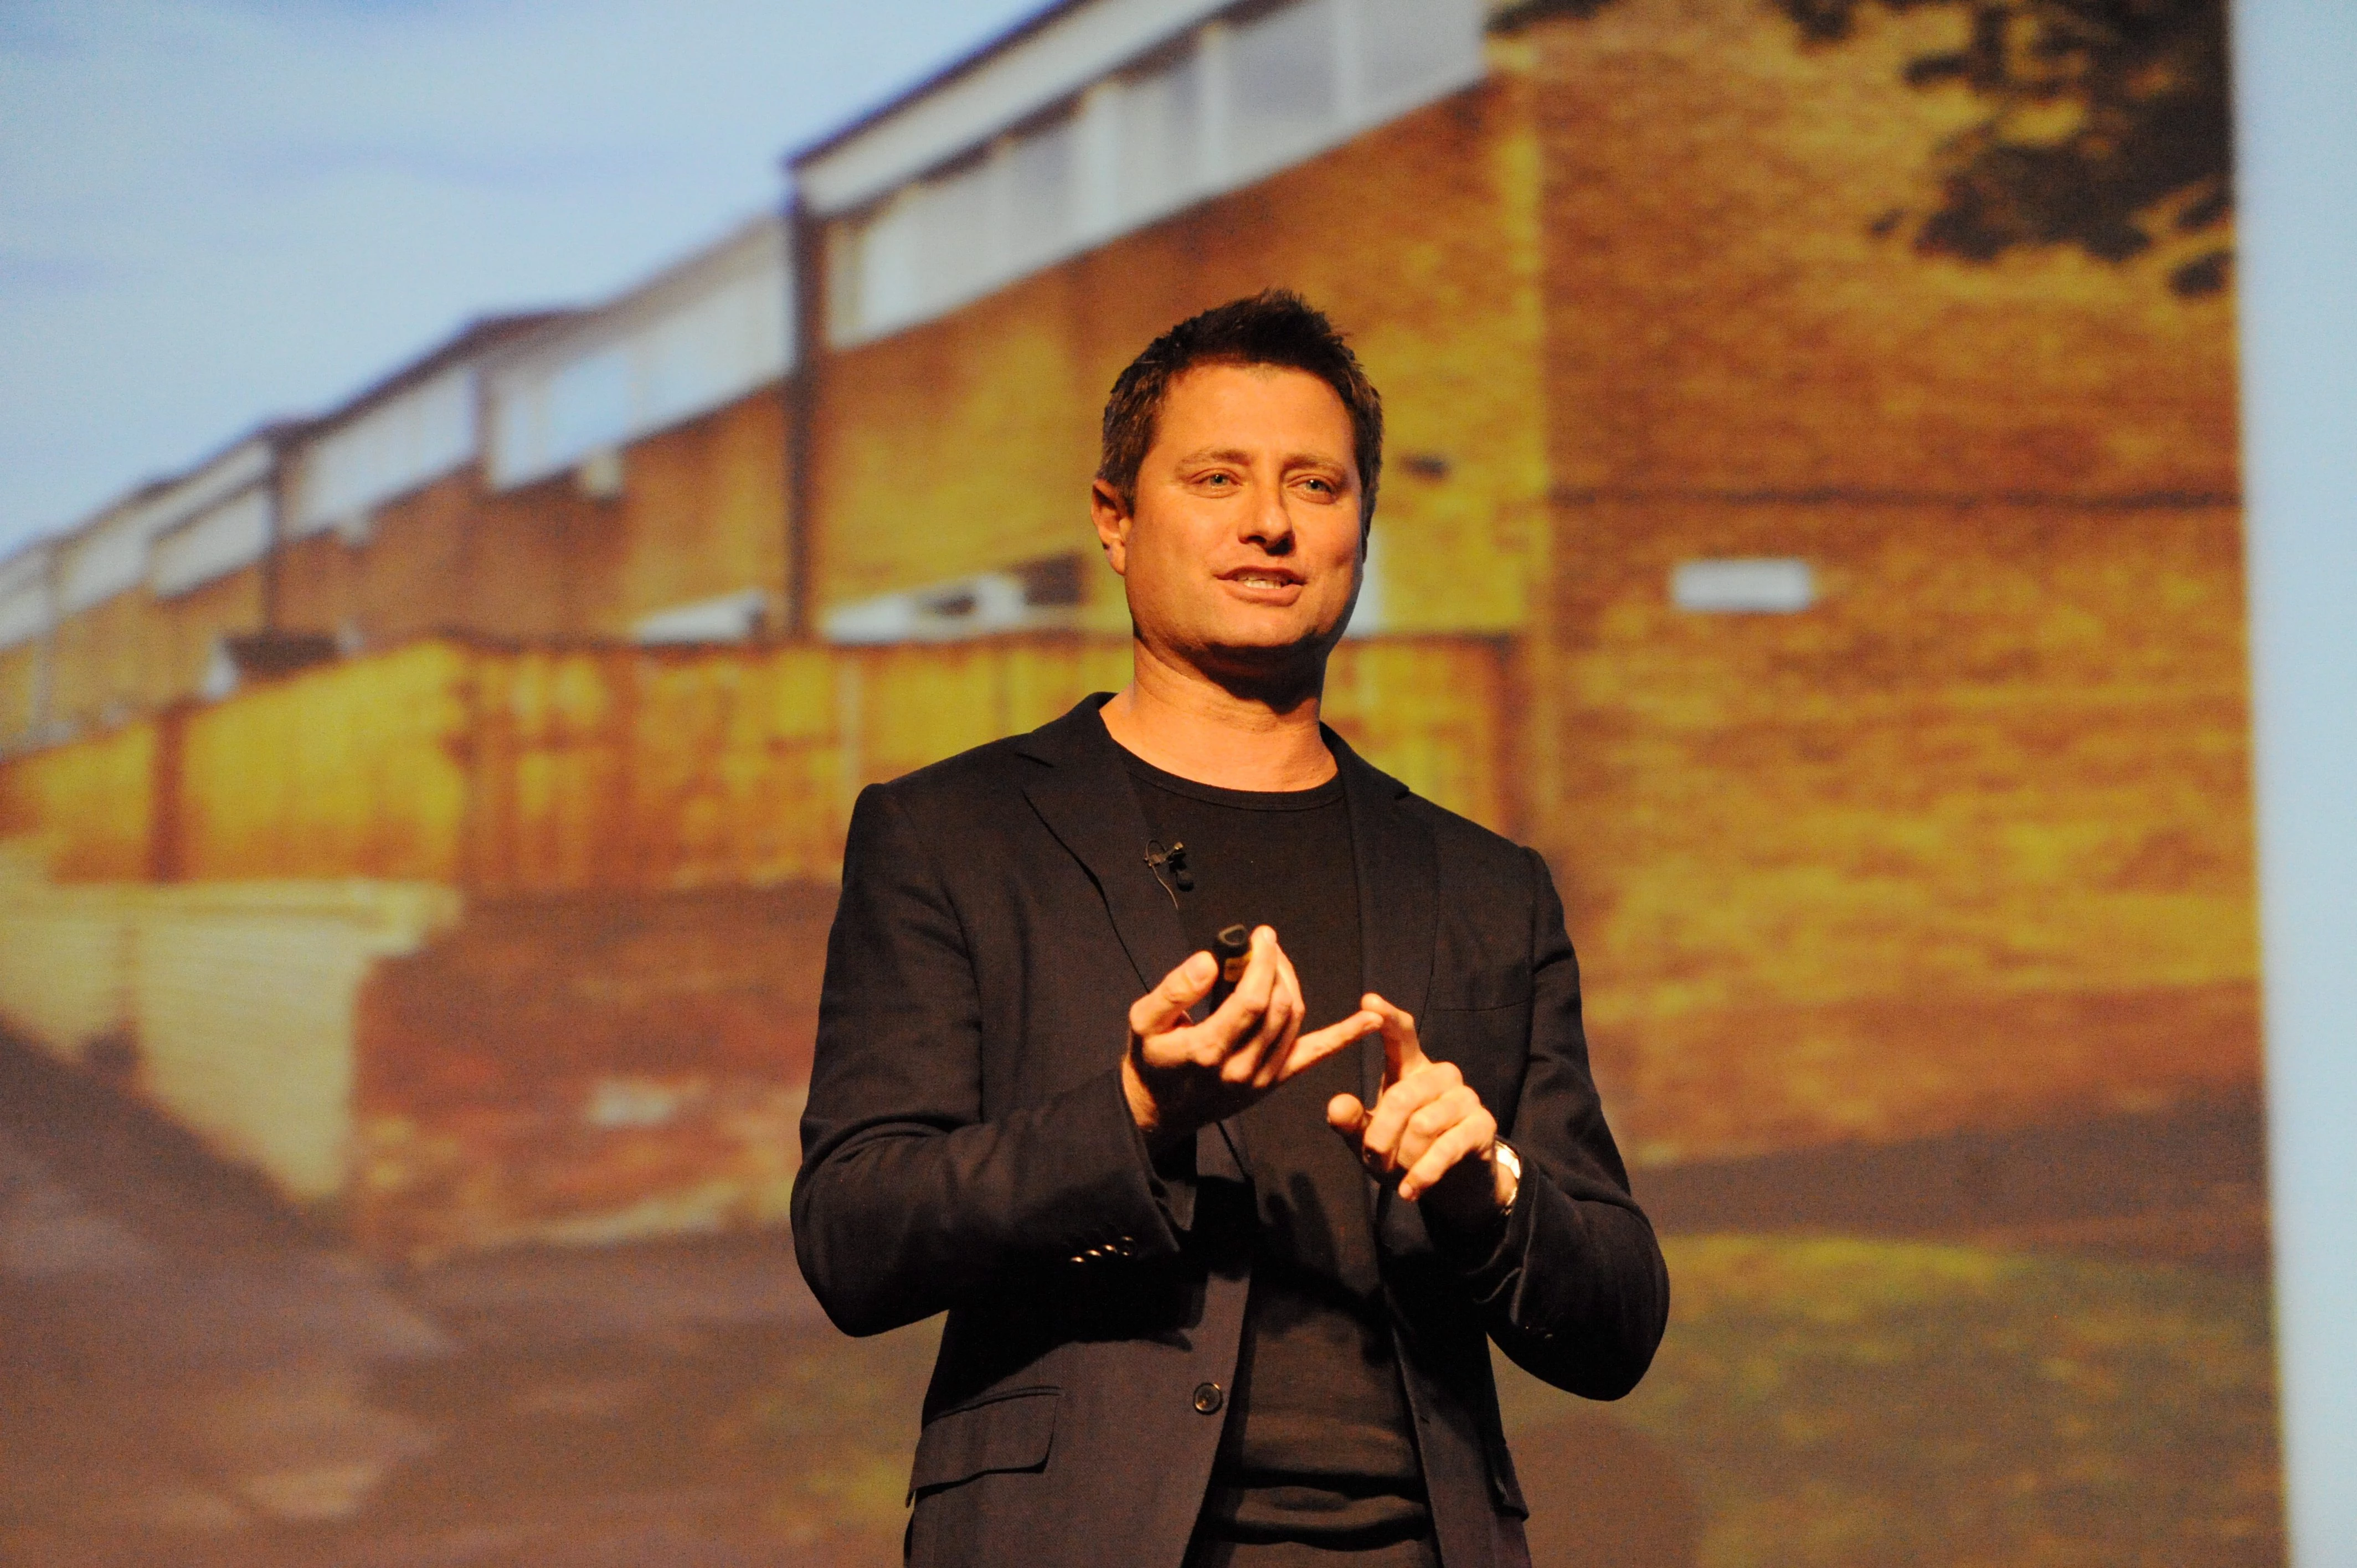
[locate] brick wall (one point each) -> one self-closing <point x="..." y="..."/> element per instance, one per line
<point x="1968" y="843"/>
<point x="20" y="685"/>
<point x="103" y="654"/>
<point x="966" y="444"/>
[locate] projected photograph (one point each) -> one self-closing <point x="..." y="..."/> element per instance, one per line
<point x="1810" y="520"/>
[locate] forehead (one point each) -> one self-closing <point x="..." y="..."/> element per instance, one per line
<point x="1247" y="406"/>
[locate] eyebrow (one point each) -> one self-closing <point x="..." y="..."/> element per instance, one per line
<point x="1238" y="455"/>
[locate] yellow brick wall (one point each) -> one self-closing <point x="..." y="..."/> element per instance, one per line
<point x="90" y="806"/>
<point x="1719" y="316"/>
<point x="653" y="768"/>
<point x="548" y="770"/>
<point x="1968" y="843"/>
<point x="904" y="707"/>
<point x="1968" y="840"/>
<point x="355" y="769"/>
<point x="1432" y="711"/>
<point x="65" y="962"/>
<point x="966" y="444"/>
<point x="702" y="512"/>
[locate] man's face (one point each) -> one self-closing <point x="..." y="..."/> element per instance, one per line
<point x="1242" y="554"/>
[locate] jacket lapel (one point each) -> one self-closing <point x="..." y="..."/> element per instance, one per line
<point x="1398" y="881"/>
<point x="1084" y="797"/>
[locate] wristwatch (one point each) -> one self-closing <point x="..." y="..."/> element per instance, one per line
<point x="1503" y="1153"/>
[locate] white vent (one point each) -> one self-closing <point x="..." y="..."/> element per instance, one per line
<point x="1744" y="585"/>
<point x="1039" y="595"/>
<point x="730" y="618"/>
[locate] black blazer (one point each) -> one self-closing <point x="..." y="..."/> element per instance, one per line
<point x="967" y="1148"/>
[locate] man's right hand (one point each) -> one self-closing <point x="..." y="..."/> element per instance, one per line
<point x="1181" y="1075"/>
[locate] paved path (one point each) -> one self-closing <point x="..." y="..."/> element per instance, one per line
<point x="189" y="1375"/>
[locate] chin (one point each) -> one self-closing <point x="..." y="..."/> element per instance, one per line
<point x="1262" y="653"/>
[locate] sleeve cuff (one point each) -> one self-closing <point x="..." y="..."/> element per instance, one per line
<point x="1487" y="1257"/>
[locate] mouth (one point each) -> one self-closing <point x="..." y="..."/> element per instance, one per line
<point x="1271" y="577"/>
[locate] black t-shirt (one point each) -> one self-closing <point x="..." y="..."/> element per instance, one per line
<point x="1319" y="1445"/>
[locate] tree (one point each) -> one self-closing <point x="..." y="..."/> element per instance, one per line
<point x="2109" y="126"/>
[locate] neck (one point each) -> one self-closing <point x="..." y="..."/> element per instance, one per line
<point x="1183" y="722"/>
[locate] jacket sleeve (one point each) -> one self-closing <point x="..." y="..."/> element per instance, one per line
<point x="909" y="1201"/>
<point x="1575" y="1290"/>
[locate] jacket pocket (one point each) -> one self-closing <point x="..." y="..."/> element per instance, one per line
<point x="1011" y="1431"/>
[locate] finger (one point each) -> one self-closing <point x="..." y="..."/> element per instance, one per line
<point x="1233" y="1024"/>
<point x="1275" y="1015"/>
<point x="1427" y="1126"/>
<point x="1402" y="1051"/>
<point x="1347" y="1116"/>
<point x="1164" y="1007"/>
<point x="1315" y="1046"/>
<point x="1276" y="1057"/>
<point x="1469" y="1137"/>
<point x="1399" y="1103"/>
<point x="1260" y="1056"/>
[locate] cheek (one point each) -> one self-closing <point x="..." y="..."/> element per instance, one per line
<point x="1342" y="552"/>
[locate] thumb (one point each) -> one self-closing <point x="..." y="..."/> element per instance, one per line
<point x="1166" y="1006"/>
<point x="1348" y="1117"/>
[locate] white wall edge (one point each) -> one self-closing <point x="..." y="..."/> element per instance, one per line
<point x="2295" y="95"/>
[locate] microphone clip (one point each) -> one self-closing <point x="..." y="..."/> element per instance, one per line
<point x="1174" y="860"/>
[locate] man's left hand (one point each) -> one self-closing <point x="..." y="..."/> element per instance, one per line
<point x="1428" y="1128"/>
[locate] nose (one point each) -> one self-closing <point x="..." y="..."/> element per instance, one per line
<point x="1267" y="523"/>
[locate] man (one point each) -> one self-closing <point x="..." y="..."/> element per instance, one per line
<point x="1200" y="1312"/>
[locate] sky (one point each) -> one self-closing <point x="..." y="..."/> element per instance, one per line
<point x="215" y="212"/>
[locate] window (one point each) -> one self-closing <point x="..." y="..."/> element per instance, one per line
<point x="702" y="337"/>
<point x="1404" y="53"/>
<point x="1042" y="182"/>
<point x="1282" y="103"/>
<point x="1158" y="130"/>
<point x="214" y="543"/>
<point x="586" y="403"/>
<point x="390" y="449"/>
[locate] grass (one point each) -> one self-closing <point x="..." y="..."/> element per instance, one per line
<point x="1832" y="1401"/>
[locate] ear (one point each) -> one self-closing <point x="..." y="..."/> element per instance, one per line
<point x="1113" y="520"/>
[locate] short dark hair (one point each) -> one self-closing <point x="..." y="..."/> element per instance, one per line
<point x="1275" y="327"/>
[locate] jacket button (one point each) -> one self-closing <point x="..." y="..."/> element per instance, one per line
<point x="1209" y="1399"/>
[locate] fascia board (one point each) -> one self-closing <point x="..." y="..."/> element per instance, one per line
<point x="759" y="245"/>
